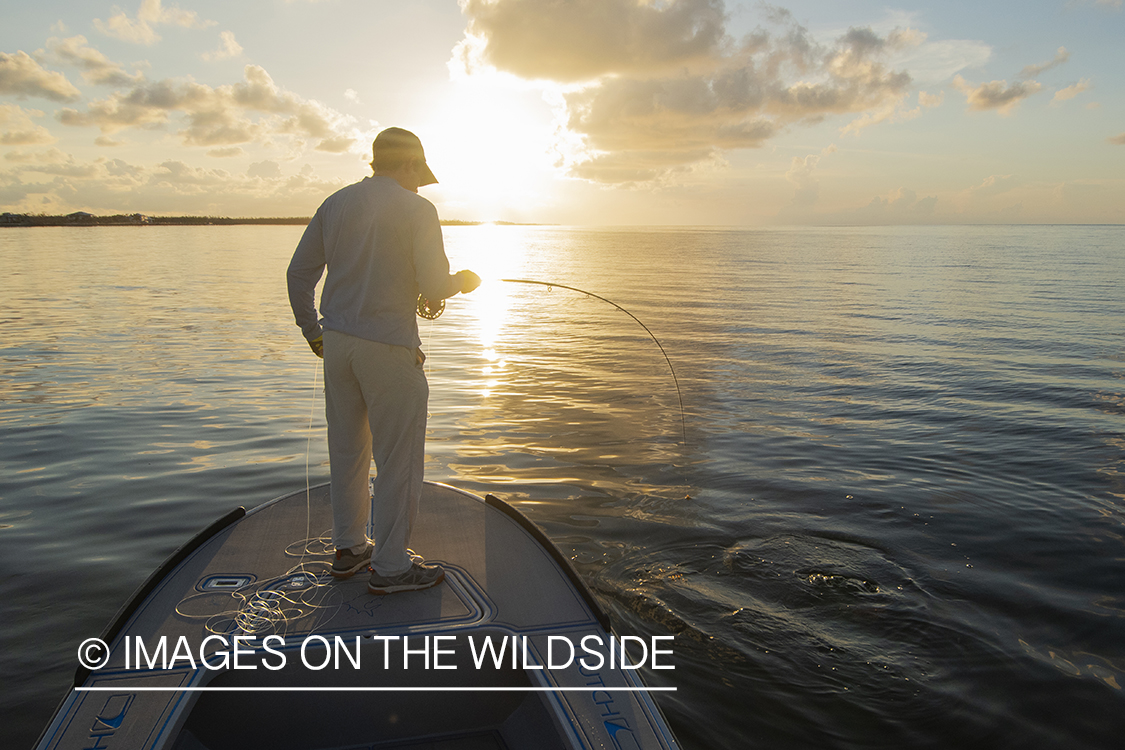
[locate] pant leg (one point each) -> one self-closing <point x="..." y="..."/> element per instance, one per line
<point x="396" y="393"/>
<point x="349" y="443"/>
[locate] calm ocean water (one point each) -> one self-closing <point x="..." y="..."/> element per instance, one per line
<point x="898" y="520"/>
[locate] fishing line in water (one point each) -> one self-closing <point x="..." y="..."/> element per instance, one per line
<point x="675" y="380"/>
<point x="431" y="311"/>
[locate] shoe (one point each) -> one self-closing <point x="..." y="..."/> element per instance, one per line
<point x="348" y="564"/>
<point x="420" y="576"/>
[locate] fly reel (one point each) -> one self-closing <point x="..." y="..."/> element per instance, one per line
<point x="430" y="310"/>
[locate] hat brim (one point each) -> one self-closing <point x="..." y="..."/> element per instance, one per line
<point x="427" y="176"/>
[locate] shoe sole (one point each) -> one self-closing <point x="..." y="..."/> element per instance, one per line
<point x="399" y="588"/>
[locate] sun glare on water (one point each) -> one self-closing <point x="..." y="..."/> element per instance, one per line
<point x="494" y="253"/>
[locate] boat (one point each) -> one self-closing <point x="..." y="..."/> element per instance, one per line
<point x="242" y="639"/>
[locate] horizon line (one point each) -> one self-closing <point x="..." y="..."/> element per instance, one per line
<point x="84" y="218"/>
<point x="370" y="689"/>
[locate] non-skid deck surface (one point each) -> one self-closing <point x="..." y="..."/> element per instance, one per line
<point x="483" y="551"/>
<point x="258" y="577"/>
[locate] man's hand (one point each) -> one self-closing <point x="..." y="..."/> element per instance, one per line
<point x="469" y="281"/>
<point x="317" y="345"/>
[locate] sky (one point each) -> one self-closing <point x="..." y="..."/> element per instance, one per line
<point x="575" y="112"/>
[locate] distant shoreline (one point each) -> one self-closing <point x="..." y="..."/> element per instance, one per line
<point x="82" y="219"/>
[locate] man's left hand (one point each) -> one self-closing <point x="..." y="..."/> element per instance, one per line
<point x="469" y="281"/>
<point x="317" y="345"/>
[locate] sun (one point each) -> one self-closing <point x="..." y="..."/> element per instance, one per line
<point x="489" y="144"/>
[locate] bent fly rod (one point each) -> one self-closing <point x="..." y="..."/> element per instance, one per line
<point x="431" y="311"/>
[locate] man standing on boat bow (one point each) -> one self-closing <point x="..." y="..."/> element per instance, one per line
<point x="382" y="245"/>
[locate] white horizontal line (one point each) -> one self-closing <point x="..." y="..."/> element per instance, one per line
<point x="219" y="689"/>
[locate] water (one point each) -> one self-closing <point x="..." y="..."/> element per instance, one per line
<point x="897" y="521"/>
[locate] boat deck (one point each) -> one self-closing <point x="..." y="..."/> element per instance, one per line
<point x="266" y="574"/>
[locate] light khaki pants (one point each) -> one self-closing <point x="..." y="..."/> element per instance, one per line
<point x="375" y="403"/>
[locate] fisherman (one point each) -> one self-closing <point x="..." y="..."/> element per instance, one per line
<point x="382" y="245"/>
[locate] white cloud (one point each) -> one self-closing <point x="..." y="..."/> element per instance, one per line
<point x="228" y="115"/>
<point x="1108" y="4"/>
<point x="899" y="206"/>
<point x="801" y="176"/>
<point x="64" y="183"/>
<point x="935" y="61"/>
<point x="997" y="95"/>
<point x="96" y="68"/>
<point x="264" y="169"/>
<point x="1117" y="140"/>
<point x="1031" y="71"/>
<point x="229" y="48"/>
<point x="1071" y="91"/>
<point x="53" y="161"/>
<point x="993" y="185"/>
<point x="652" y="90"/>
<point x="22" y="76"/>
<point x="931" y="100"/>
<point x="226" y="151"/>
<point x="584" y="40"/>
<point x="18" y="129"/>
<point x="151" y="13"/>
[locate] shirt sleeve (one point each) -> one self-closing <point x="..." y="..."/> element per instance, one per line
<point x="305" y="270"/>
<point x="431" y="266"/>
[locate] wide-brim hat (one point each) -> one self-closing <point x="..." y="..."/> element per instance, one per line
<point x="402" y="142"/>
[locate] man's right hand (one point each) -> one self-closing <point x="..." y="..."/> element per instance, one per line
<point x="317" y="345"/>
<point x="469" y="281"/>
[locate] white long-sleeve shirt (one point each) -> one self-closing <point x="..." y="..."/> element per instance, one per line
<point x="382" y="245"/>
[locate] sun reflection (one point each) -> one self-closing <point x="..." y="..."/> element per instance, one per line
<point x="494" y="252"/>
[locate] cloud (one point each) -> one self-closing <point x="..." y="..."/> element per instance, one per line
<point x="106" y="141"/>
<point x="1031" y="71"/>
<point x="993" y="185"/>
<point x="220" y="116"/>
<point x="53" y="178"/>
<point x="931" y="100"/>
<point x="1110" y="4"/>
<point x="584" y="40"/>
<point x="934" y="62"/>
<point x="226" y="151"/>
<point x="997" y="95"/>
<point x="18" y="129"/>
<point x="264" y="169"/>
<point x="151" y="13"/>
<point x="22" y="76"/>
<point x="336" y="144"/>
<point x="647" y="91"/>
<point x="1071" y="91"/>
<point x="53" y="161"/>
<point x="1117" y="140"/>
<point x="901" y="205"/>
<point x="800" y="174"/>
<point x="96" y="68"/>
<point x="229" y="48"/>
